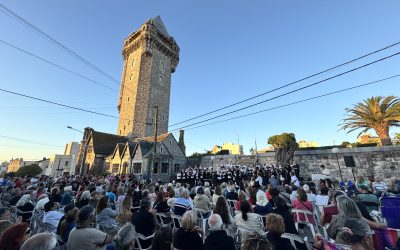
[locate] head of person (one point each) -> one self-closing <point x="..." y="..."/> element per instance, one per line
<point x="221" y="208"/>
<point x="200" y="191"/>
<point x="145" y="204"/>
<point x="71" y="215"/>
<point x="40" y="241"/>
<point x="102" y="204"/>
<point x="162" y="239"/>
<point x="245" y="208"/>
<point x="14" y="236"/>
<point x="189" y="220"/>
<point x="207" y="192"/>
<point x="55" y="190"/>
<point x="85" y="195"/>
<point x="185" y="194"/>
<point x="347" y="207"/>
<point x="5" y="213"/>
<point x="356" y="232"/>
<point x="218" y="190"/>
<point x="324" y="191"/>
<point x="335" y="195"/>
<point x="301" y="195"/>
<point x="125" y="237"/>
<point x="274" y="223"/>
<point x="86" y="215"/>
<point x="50" y="206"/>
<point x="280" y="203"/>
<point x="256" y="242"/>
<point x="274" y="192"/>
<point x="306" y="188"/>
<point x="363" y="189"/>
<point x="215" y="222"/>
<point x="4" y="224"/>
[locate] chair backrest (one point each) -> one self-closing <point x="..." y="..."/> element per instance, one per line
<point x="293" y="239"/>
<point x="139" y="237"/>
<point x="303" y="212"/>
<point x="162" y="217"/>
<point x="176" y="221"/>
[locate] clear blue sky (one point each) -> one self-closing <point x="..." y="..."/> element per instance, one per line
<point x="229" y="51"/>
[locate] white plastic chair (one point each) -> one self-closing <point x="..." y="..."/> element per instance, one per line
<point x="203" y="216"/>
<point x="162" y="217"/>
<point x="139" y="237"/>
<point x="305" y="213"/>
<point x="176" y="219"/>
<point x="295" y="238"/>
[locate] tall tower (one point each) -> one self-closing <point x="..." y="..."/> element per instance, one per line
<point x="150" y="55"/>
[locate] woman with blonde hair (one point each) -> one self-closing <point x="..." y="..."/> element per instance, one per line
<point x="125" y="214"/>
<point x="189" y="236"/>
<point x="276" y="227"/>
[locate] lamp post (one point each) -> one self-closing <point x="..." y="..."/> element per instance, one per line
<point x="84" y="145"/>
<point x="335" y="150"/>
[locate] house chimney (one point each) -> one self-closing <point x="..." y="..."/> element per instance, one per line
<point x="181" y="142"/>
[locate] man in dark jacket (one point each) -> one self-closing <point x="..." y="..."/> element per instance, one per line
<point x="144" y="221"/>
<point x="232" y="194"/>
<point x="218" y="239"/>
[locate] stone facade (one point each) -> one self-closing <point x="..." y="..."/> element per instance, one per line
<point x="150" y="56"/>
<point x="383" y="162"/>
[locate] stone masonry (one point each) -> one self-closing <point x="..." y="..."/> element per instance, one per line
<point x="150" y="56"/>
<point x="381" y="162"/>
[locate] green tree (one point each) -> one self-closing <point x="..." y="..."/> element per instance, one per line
<point x="285" y="145"/>
<point x="377" y="113"/>
<point x="29" y="170"/>
<point x="397" y="138"/>
<point x="345" y="144"/>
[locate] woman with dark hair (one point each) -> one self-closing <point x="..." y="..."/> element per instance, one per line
<point x="162" y="239"/>
<point x="221" y="208"/>
<point x="14" y="236"/>
<point x="253" y="196"/>
<point x="68" y="223"/>
<point x="105" y="215"/>
<point x="216" y="194"/>
<point x="247" y="219"/>
<point x="160" y="205"/>
<point x="283" y="210"/>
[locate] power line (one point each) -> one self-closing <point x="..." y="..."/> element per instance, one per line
<point x="56" y="65"/>
<point x="65" y="106"/>
<point x="296" y="102"/>
<point x="58" y="44"/>
<point x="289" y="84"/>
<point x="293" y="91"/>
<point x="27" y="141"/>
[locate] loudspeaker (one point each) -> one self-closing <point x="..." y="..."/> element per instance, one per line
<point x="349" y="161"/>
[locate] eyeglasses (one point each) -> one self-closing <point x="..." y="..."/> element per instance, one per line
<point x="28" y="231"/>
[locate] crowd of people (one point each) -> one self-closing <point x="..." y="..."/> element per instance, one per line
<point x="259" y="207"/>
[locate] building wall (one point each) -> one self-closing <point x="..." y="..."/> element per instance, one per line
<point x="72" y="148"/>
<point x="59" y="164"/>
<point x="370" y="161"/>
<point x="141" y="88"/>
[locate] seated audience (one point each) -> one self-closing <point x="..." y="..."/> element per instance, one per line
<point x="51" y="215"/>
<point x="282" y="209"/>
<point x="379" y="187"/>
<point x="144" y="221"/>
<point x="218" y="239"/>
<point x="84" y="236"/>
<point x="201" y="201"/>
<point x="124" y="240"/>
<point x="370" y="200"/>
<point x="183" y="202"/>
<point x="68" y="223"/>
<point x="232" y="194"/>
<point x="66" y="209"/>
<point x="5" y="213"/>
<point x="189" y="236"/>
<point x="125" y="214"/>
<point x="256" y="242"/>
<point x="216" y="194"/>
<point x="322" y="198"/>
<point x="162" y="239"/>
<point x="302" y="203"/>
<point x="262" y="207"/>
<point x="105" y="216"/>
<point x="247" y="219"/>
<point x="67" y="196"/>
<point x="55" y="195"/>
<point x="276" y="227"/>
<point x="221" y="208"/>
<point x="330" y="210"/>
<point x="160" y="204"/>
<point x="310" y="196"/>
<point x="14" y="236"/>
<point x="357" y="234"/>
<point x="4" y="224"/>
<point x="40" y="241"/>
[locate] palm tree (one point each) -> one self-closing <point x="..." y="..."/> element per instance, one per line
<point x="378" y="113"/>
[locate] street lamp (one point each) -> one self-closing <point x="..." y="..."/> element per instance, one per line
<point x="335" y="150"/>
<point x="84" y="145"/>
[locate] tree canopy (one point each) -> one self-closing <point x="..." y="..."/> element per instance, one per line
<point x="285" y="145"/>
<point x="378" y="113"/>
<point x="29" y="170"/>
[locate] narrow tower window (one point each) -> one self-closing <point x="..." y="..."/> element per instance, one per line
<point x="161" y="80"/>
<point x="133" y="63"/>
<point x="162" y="66"/>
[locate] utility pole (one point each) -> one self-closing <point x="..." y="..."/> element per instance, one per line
<point x="155" y="121"/>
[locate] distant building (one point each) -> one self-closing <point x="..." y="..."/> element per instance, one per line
<point x="308" y="144"/>
<point x="59" y="165"/>
<point x="72" y="148"/>
<point x="234" y="149"/>
<point x="15" y="164"/>
<point x="267" y="149"/>
<point x="368" y="138"/>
